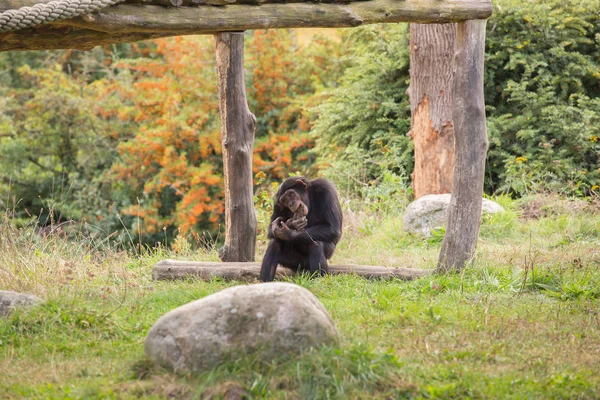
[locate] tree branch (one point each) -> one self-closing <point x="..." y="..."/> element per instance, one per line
<point x="34" y="161"/>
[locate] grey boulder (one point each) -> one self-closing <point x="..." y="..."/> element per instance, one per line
<point x="12" y="300"/>
<point x="268" y="318"/>
<point x="430" y="212"/>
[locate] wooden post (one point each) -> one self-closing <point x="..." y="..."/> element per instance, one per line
<point x="471" y="143"/>
<point x="237" y="138"/>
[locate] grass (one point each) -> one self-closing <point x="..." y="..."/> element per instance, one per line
<point x="522" y="322"/>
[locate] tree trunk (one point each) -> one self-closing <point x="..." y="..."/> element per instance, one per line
<point x="464" y="213"/>
<point x="249" y="272"/>
<point x="237" y="138"/>
<point x="430" y="91"/>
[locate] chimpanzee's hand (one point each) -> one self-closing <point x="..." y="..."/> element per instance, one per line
<point x="276" y="224"/>
<point x="297" y="224"/>
<point x="283" y="232"/>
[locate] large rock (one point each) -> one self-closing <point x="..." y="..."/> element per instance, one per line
<point x="269" y="318"/>
<point x="11" y="300"/>
<point x="430" y="212"/>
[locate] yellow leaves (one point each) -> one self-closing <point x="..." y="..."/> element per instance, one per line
<point x="520" y="160"/>
<point x="594" y="139"/>
<point x="260" y="175"/>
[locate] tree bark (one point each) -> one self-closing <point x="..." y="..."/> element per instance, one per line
<point x="430" y="91"/>
<point x="129" y="22"/>
<point x="249" y="272"/>
<point x="464" y="214"/>
<point x="15" y="4"/>
<point x="237" y="138"/>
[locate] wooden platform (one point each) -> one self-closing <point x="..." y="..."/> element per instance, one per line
<point x="249" y="272"/>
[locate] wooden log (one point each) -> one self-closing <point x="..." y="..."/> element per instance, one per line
<point x="134" y="18"/>
<point x="464" y="214"/>
<point x="50" y="37"/>
<point x="249" y="272"/>
<point x="155" y="21"/>
<point x="15" y="4"/>
<point x="237" y="138"/>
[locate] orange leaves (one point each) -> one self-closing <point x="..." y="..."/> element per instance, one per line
<point x="172" y="160"/>
<point x="197" y="203"/>
<point x="282" y="86"/>
<point x="279" y="155"/>
<point x="270" y="55"/>
<point x="166" y="101"/>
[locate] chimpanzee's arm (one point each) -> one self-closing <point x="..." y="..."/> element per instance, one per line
<point x="278" y="212"/>
<point x="324" y="233"/>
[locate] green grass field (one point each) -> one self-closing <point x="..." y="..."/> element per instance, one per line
<point x="522" y="322"/>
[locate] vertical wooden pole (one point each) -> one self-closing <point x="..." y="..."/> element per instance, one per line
<point x="237" y="138"/>
<point x="471" y="143"/>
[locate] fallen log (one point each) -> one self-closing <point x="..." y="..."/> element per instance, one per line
<point x="249" y="271"/>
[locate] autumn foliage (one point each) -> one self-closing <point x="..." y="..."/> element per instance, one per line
<point x="282" y="81"/>
<point x="169" y="170"/>
<point x="171" y="167"/>
<point x="126" y="138"/>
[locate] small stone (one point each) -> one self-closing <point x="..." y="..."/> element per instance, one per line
<point x="12" y="300"/>
<point x="270" y="319"/>
<point x="430" y="212"/>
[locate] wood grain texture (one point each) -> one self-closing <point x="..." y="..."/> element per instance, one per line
<point x="127" y="22"/>
<point x="464" y="213"/>
<point x="14" y="4"/>
<point x="237" y="139"/>
<point x="249" y="272"/>
<point x="431" y="79"/>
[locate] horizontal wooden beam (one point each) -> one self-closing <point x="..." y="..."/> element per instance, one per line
<point x="249" y="271"/>
<point x="131" y="22"/>
<point x="14" y="4"/>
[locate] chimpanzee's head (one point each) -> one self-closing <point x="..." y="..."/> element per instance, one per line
<point x="293" y="194"/>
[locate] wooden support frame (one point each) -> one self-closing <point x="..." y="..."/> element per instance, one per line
<point x="129" y="22"/>
<point x="132" y="22"/>
<point x="237" y="138"/>
<point x="249" y="272"/>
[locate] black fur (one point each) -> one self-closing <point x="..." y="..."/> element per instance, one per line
<point x="310" y="248"/>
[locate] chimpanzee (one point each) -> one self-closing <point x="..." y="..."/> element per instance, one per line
<point x="305" y="227"/>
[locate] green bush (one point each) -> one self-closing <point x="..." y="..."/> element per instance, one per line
<point x="542" y="91"/>
<point x="543" y="95"/>
<point x="361" y="129"/>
